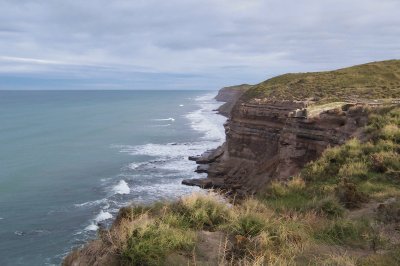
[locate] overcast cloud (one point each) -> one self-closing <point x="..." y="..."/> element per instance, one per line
<point x="186" y="44"/>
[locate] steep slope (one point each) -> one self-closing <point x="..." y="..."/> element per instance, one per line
<point x="230" y="95"/>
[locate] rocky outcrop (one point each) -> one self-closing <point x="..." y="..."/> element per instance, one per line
<point x="230" y="95"/>
<point x="267" y="139"/>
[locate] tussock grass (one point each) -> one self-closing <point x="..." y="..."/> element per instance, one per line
<point x="149" y="244"/>
<point x="343" y="231"/>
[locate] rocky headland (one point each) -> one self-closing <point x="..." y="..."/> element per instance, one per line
<point x="314" y="159"/>
<point x="269" y="138"/>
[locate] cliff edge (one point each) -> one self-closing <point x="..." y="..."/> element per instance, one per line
<point x="230" y="95"/>
<point x="279" y="125"/>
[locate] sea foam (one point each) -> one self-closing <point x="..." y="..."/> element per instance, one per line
<point x="160" y="177"/>
<point x="91" y="227"/>
<point x="102" y="216"/>
<point x="206" y="121"/>
<point x="121" y="188"/>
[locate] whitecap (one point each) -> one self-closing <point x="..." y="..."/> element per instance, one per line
<point x="181" y="105"/>
<point x="171" y="190"/>
<point x="91" y="227"/>
<point x="134" y="166"/>
<point x="179" y="165"/>
<point x="91" y="203"/>
<point x="102" y="216"/>
<point x="158" y="150"/>
<point x="19" y="233"/>
<point x="121" y="188"/>
<point x="106" y="206"/>
<point x="165" y="119"/>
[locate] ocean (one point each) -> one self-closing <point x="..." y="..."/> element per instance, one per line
<point x="71" y="159"/>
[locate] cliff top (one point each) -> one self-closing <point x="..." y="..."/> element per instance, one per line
<point x="237" y="87"/>
<point x="376" y="80"/>
<point x="232" y="93"/>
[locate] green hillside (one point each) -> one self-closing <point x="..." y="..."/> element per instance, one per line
<point x="375" y="80"/>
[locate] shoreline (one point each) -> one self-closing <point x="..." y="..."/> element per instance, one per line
<point x="205" y="107"/>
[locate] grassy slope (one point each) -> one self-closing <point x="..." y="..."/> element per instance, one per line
<point x="325" y="216"/>
<point x="369" y="81"/>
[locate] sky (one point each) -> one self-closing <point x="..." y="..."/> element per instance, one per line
<point x="187" y="44"/>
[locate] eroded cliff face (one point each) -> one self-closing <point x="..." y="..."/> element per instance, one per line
<point x="230" y="95"/>
<point x="269" y="139"/>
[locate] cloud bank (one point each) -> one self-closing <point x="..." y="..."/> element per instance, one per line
<point x="191" y="44"/>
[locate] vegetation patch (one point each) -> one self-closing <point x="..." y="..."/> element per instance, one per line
<point x="377" y="80"/>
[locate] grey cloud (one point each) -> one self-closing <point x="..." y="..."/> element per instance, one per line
<point x="210" y="42"/>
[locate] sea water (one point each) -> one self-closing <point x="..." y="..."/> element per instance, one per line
<point x="70" y="159"/>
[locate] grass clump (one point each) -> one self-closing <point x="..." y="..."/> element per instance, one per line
<point x="283" y="196"/>
<point x="202" y="211"/>
<point x="330" y="207"/>
<point x="344" y="232"/>
<point x="248" y="225"/>
<point x="149" y="244"/>
<point x="169" y="228"/>
<point x="356" y="169"/>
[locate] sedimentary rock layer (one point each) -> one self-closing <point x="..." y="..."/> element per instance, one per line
<point x="268" y="140"/>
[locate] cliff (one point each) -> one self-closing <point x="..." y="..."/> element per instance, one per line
<point x="279" y="125"/>
<point x="230" y="95"/>
<point x="330" y="199"/>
